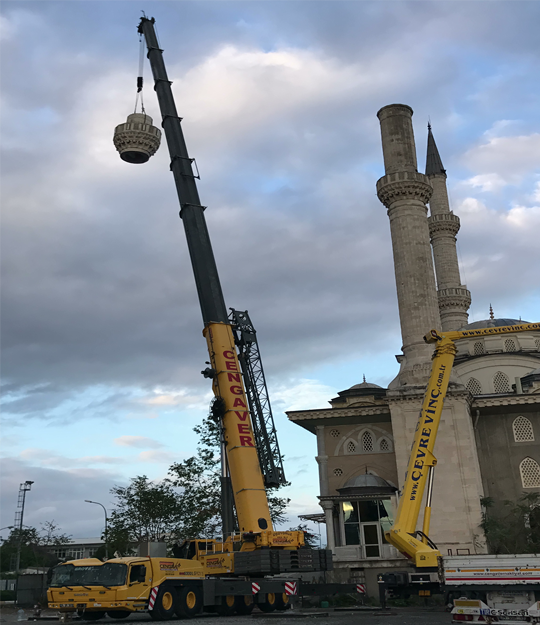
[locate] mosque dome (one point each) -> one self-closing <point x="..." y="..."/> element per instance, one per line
<point x="493" y="323"/>
<point x="367" y="484"/>
<point x="365" y="385"/>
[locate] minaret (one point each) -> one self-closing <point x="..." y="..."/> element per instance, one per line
<point x="405" y="193"/>
<point x="454" y="298"/>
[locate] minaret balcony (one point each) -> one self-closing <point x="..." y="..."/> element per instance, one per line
<point x="443" y="224"/>
<point x="458" y="297"/>
<point x="403" y="185"/>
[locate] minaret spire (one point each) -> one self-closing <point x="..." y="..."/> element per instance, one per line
<point x="434" y="164"/>
<point x="454" y="298"/>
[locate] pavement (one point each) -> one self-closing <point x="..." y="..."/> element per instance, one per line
<point x="317" y="616"/>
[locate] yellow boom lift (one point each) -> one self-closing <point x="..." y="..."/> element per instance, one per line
<point x="403" y="533"/>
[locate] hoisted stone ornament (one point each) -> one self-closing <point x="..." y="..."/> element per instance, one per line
<point x="137" y="140"/>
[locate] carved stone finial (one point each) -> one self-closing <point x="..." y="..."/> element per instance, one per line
<point x="137" y="140"/>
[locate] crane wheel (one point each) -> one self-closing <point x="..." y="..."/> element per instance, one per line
<point x="119" y="613"/>
<point x="283" y="602"/>
<point x="270" y="602"/>
<point x="165" y="604"/>
<point x="244" y="604"/>
<point x="189" y="602"/>
<point x="227" y="607"/>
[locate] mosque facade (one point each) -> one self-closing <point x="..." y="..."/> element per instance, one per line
<point x="487" y="444"/>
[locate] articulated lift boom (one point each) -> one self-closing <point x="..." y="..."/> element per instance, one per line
<point x="403" y="534"/>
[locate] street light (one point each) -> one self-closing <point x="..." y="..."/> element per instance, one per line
<point x="105" y="511"/>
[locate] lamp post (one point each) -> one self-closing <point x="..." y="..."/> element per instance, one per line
<point x="105" y="511"/>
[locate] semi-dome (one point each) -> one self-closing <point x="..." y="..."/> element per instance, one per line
<point x="367" y="484"/>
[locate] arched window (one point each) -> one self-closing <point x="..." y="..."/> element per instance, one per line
<point x="530" y="473"/>
<point x="523" y="430"/>
<point x="384" y="444"/>
<point x="478" y="348"/>
<point x="474" y="386"/>
<point x="367" y="441"/>
<point x="350" y="447"/>
<point x="501" y="383"/>
<point x="510" y="345"/>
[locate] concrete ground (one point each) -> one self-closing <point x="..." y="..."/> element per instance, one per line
<point x="393" y="616"/>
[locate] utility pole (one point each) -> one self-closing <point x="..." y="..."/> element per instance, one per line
<point x="19" y="517"/>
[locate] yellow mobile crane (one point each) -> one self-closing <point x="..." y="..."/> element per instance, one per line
<point x="229" y="575"/>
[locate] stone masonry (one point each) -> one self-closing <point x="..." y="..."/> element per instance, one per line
<point x="405" y="192"/>
<point x="454" y="298"/>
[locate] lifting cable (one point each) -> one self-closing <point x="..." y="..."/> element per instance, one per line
<point x="140" y="76"/>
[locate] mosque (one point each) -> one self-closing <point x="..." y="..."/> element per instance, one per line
<point x="486" y="445"/>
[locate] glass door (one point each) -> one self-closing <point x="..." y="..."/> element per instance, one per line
<point x="371" y="540"/>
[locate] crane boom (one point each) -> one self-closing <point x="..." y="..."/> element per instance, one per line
<point x="246" y="477"/>
<point x="403" y="534"/>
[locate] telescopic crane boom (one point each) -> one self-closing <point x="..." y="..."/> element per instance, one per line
<point x="248" y="482"/>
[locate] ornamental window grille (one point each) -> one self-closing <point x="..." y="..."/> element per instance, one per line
<point x="474" y="386"/>
<point x="510" y="345"/>
<point x="334" y="433"/>
<point x="351" y="447"/>
<point x="537" y="343"/>
<point x="478" y="348"/>
<point x="523" y="430"/>
<point x="367" y="441"/>
<point x="338" y="472"/>
<point x="501" y="383"/>
<point x="530" y="473"/>
<point x="384" y="445"/>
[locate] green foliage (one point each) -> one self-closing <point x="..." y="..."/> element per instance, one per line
<point x="513" y="527"/>
<point x="145" y="511"/>
<point x="35" y="546"/>
<point x="153" y="511"/>
<point x="199" y="479"/>
<point x="310" y="539"/>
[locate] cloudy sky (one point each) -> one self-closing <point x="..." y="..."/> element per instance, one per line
<point x="101" y="330"/>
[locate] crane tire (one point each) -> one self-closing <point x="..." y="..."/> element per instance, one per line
<point x="117" y="614"/>
<point x="283" y="602"/>
<point x="165" y="604"/>
<point x="227" y="607"/>
<point x="189" y="601"/>
<point x="244" y="604"/>
<point x="269" y="604"/>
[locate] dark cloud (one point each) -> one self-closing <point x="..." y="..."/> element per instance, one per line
<point x="280" y="102"/>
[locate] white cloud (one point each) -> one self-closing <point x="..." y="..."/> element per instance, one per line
<point x="503" y="161"/>
<point x="137" y="441"/>
<point x="158" y="457"/>
<point x="299" y="394"/>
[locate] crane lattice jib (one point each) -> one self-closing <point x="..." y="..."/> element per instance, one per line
<point x="264" y="429"/>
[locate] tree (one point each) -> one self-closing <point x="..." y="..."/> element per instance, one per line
<point x="35" y="546"/>
<point x="145" y="511"/>
<point x="199" y="479"/>
<point x="513" y="527"/>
